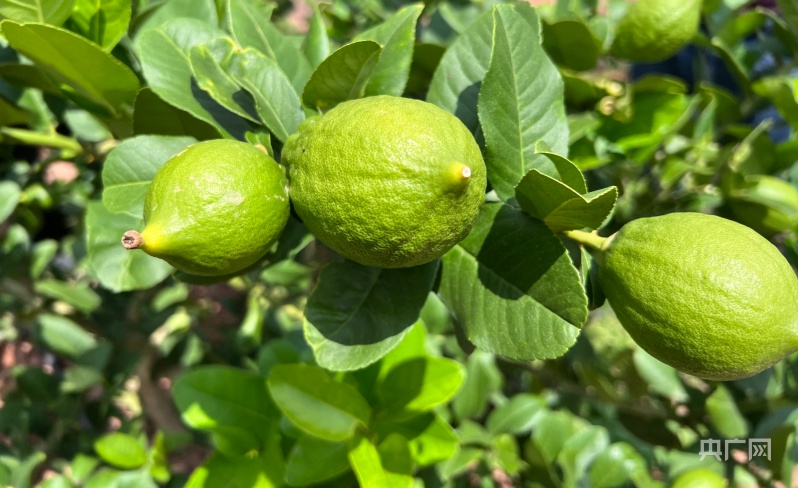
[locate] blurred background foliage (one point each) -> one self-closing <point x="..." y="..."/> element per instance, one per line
<point x="105" y="355"/>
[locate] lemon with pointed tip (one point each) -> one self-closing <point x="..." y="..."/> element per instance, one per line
<point x="706" y="295"/>
<point x="386" y="181"/>
<point x="213" y="209"/>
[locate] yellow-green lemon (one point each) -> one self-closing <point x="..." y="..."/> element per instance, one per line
<point x="386" y="181"/>
<point x="654" y="30"/>
<point x="706" y="295"/>
<point x="699" y="478"/>
<point x="214" y="208"/>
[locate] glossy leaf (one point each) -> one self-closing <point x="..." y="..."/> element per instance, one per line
<point x="418" y="385"/>
<point x="517" y="416"/>
<point x="64" y="336"/>
<point x="390" y="466"/>
<point x="276" y="102"/>
<point x="316" y="46"/>
<point x="536" y="290"/>
<point x="166" y="66"/>
<point x="571" y="44"/>
<point x="342" y="76"/>
<point x="306" y="394"/>
<point x="725" y="414"/>
<point x="397" y="37"/>
<point x="152" y="115"/>
<point x="121" y="450"/>
<point x="559" y="206"/>
<point x="430" y="438"/>
<point x="520" y="103"/>
<point x="53" y="12"/>
<point x="313" y="460"/>
<point x="208" y="63"/>
<point x="218" y="397"/>
<point x="102" y="21"/>
<point x="356" y="313"/>
<point x="251" y="28"/>
<point x="130" y="167"/>
<point x="92" y="78"/>
<point x="117" y="268"/>
<point x="78" y="295"/>
<point x="457" y="80"/>
<point x="9" y="197"/>
<point x="483" y="380"/>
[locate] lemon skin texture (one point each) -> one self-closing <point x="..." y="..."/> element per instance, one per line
<point x="215" y="208"/>
<point x="654" y="30"/>
<point x="706" y="295"/>
<point x="699" y="478"/>
<point x="386" y="181"/>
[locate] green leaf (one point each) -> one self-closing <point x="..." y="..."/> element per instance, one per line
<point x="95" y="80"/>
<point x="152" y="115"/>
<point x="166" y="66"/>
<point x="306" y="394"/>
<point x="789" y="10"/>
<point x="316" y="46"/>
<point x="251" y="28"/>
<point x="130" y="168"/>
<point x="42" y="255"/>
<point x="116" y="270"/>
<point x="535" y="289"/>
<point x="53" y="12"/>
<point x="356" y="313"/>
<point x="277" y="103"/>
<point x="780" y="92"/>
<point x="517" y="416"/>
<point x="313" y="460"/>
<point x="213" y="397"/>
<point x="579" y="451"/>
<point x="9" y="197"/>
<point x="616" y="465"/>
<point x="64" y="336"/>
<point x="389" y="466"/>
<point x="661" y="378"/>
<point x="209" y="63"/>
<point x="505" y="453"/>
<point x="520" y="103"/>
<point x="342" y="76"/>
<point x="430" y="438"/>
<point x="456" y="82"/>
<point x="79" y="294"/>
<point x="397" y="36"/>
<point x="160" y="12"/>
<point x="725" y="415"/>
<point x="483" y="379"/>
<point x="571" y="44"/>
<point x="220" y="471"/>
<point x="121" y="450"/>
<point x="102" y="21"/>
<point x="553" y="431"/>
<point x="559" y="206"/>
<point x="418" y="385"/>
<point x="33" y="138"/>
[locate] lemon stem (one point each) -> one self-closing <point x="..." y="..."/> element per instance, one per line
<point x="588" y="239"/>
<point x="132" y="240"/>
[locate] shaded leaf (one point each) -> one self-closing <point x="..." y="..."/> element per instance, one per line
<point x="483" y="379"/>
<point x="397" y="37"/>
<point x="64" y="336"/>
<point x="342" y="76"/>
<point x="536" y="290"/>
<point x="520" y="103"/>
<point x="9" y="197"/>
<point x="313" y="460"/>
<point x="418" y="385"/>
<point x="356" y="313"/>
<point x="570" y="43"/>
<point x="152" y="115"/>
<point x="316" y="46"/>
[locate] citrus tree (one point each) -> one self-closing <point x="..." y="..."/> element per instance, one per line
<point x="468" y="183"/>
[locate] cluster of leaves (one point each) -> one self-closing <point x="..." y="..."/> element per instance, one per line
<point x="309" y="369"/>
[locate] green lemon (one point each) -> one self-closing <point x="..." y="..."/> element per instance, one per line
<point x="213" y="209"/>
<point x="699" y="478"/>
<point x="706" y="295"/>
<point x="654" y="30"/>
<point x="386" y="181"/>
